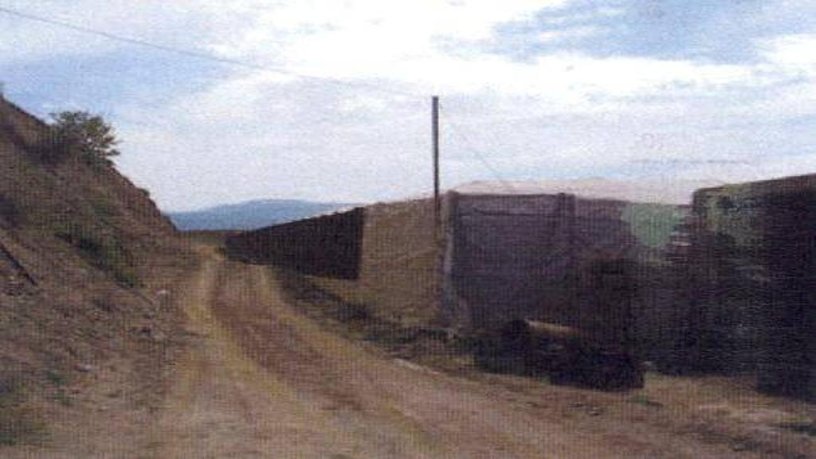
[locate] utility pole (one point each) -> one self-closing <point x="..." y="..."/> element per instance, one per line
<point x="435" y="122"/>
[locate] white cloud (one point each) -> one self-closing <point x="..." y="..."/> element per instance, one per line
<point x="185" y="24"/>
<point x="256" y="134"/>
<point x="268" y="133"/>
<point x="553" y="36"/>
<point x="791" y="52"/>
<point x="399" y="42"/>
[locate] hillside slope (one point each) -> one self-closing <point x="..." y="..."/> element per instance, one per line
<point x="75" y="242"/>
<point x="251" y="214"/>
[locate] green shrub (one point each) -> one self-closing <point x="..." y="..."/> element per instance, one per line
<point x="106" y="253"/>
<point x="103" y="206"/>
<point x="55" y="377"/>
<point x="88" y="134"/>
<point x="52" y="148"/>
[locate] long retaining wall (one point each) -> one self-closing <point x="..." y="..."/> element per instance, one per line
<point x="329" y="245"/>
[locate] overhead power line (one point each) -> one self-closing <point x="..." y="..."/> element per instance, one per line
<point x="197" y="54"/>
<point x="469" y="146"/>
<point x="244" y="64"/>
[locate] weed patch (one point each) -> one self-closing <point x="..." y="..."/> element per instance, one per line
<point x="359" y="321"/>
<point x="55" y="377"/>
<point x="104" y="252"/>
<point x="103" y="206"/>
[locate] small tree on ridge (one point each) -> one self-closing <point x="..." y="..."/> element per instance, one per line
<point x="89" y="134"/>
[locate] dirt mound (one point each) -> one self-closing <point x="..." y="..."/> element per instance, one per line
<point x="75" y="242"/>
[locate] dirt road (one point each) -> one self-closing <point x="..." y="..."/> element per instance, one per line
<point x="252" y="375"/>
<point x="262" y="380"/>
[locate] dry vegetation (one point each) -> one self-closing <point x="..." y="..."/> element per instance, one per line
<point x="83" y="254"/>
<point x="341" y="307"/>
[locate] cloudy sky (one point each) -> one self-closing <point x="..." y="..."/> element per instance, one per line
<point x="330" y="99"/>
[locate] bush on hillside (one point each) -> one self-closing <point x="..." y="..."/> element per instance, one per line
<point x="103" y="252"/>
<point x="88" y="135"/>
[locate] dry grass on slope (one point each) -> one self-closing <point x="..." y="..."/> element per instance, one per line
<point x="84" y="255"/>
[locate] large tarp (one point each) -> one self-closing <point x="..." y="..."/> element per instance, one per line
<point x="401" y="261"/>
<point x="587" y="263"/>
<point x="329" y="245"/>
<point x="755" y="259"/>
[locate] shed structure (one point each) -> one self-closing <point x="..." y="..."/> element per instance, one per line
<point x="754" y="253"/>
<point x="606" y="257"/>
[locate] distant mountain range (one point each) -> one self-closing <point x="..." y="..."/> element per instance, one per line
<point x="252" y="214"/>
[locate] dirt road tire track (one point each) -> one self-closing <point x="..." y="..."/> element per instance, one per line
<point x="262" y="380"/>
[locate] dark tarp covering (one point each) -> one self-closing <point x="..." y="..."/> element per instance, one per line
<point x="755" y="258"/>
<point x="602" y="266"/>
<point x="329" y="245"/>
